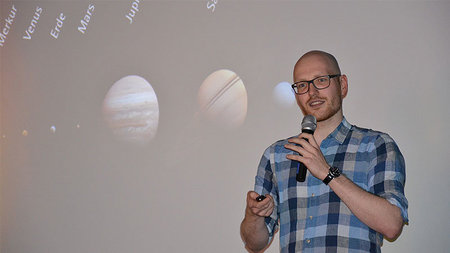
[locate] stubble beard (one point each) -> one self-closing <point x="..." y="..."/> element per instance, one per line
<point x="323" y="114"/>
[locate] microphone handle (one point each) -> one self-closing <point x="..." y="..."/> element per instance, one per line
<point x="301" y="168"/>
<point x="308" y="131"/>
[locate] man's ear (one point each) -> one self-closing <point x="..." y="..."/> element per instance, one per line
<point x="344" y="85"/>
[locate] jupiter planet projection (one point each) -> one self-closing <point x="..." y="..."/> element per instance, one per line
<point x="131" y="110"/>
<point x="222" y="98"/>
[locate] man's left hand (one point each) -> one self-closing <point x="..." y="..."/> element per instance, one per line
<point x="309" y="154"/>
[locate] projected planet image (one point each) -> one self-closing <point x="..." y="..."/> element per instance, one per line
<point x="131" y="110"/>
<point x="284" y="95"/>
<point x="222" y="98"/>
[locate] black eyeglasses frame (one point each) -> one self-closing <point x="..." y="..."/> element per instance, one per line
<point x="294" y="85"/>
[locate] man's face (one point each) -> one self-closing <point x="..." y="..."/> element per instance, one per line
<point x="326" y="103"/>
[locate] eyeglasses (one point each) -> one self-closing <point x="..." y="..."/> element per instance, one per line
<point x="320" y="83"/>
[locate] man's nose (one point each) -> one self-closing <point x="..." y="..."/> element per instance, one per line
<point x="312" y="89"/>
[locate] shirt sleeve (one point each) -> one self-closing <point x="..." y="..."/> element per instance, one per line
<point x="387" y="173"/>
<point x="265" y="183"/>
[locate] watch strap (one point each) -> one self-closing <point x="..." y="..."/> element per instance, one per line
<point x="332" y="173"/>
<point x="327" y="179"/>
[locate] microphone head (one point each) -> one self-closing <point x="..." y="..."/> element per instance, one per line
<point x="309" y="122"/>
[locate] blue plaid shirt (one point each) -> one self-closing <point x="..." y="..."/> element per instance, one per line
<point x="309" y="215"/>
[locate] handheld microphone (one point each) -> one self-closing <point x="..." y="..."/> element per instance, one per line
<point x="309" y="124"/>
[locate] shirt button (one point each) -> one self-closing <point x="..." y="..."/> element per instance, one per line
<point x="310" y="217"/>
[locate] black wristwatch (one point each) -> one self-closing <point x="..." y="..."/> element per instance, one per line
<point x="334" y="172"/>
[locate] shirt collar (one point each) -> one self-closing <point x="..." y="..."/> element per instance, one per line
<point x="340" y="133"/>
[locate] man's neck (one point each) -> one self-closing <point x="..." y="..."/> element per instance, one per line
<point x="325" y="127"/>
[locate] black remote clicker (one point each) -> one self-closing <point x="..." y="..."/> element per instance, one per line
<point x="260" y="198"/>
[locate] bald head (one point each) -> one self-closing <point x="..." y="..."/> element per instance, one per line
<point x="324" y="103"/>
<point x="328" y="59"/>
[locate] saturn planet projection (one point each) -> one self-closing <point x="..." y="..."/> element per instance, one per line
<point x="131" y="110"/>
<point x="222" y="99"/>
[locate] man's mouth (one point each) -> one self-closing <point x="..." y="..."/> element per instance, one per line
<point x="316" y="103"/>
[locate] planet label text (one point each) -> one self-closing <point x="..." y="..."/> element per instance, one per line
<point x="8" y="23"/>
<point x="58" y="27"/>
<point x="86" y="19"/>
<point x="30" y="30"/>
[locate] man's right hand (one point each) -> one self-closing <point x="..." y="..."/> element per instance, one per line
<point x="256" y="208"/>
<point x="253" y="228"/>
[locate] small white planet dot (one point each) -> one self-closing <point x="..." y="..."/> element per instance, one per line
<point x="284" y="95"/>
<point x="53" y="129"/>
<point x="131" y="110"/>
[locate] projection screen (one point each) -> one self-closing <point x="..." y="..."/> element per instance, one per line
<point x="137" y="126"/>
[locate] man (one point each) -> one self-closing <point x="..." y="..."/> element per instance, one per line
<point x="353" y="194"/>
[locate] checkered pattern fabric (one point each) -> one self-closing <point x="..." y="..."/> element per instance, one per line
<point x="309" y="215"/>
